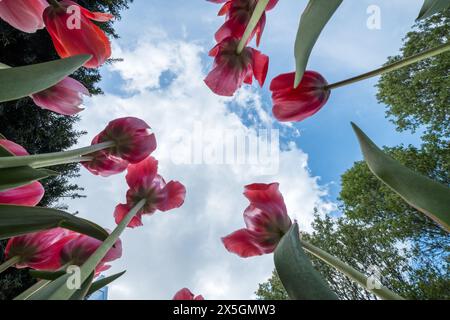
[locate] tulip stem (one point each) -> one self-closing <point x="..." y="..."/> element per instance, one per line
<point x="380" y="291"/>
<point x="256" y="16"/>
<point x="58" y="162"/>
<point x="9" y="263"/>
<point x="54" y="158"/>
<point x="89" y="266"/>
<point x="393" y="66"/>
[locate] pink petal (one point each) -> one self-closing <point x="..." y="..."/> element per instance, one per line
<point x="266" y="197"/>
<point x="63" y="98"/>
<point x="175" y="194"/>
<point x="24" y="15"/>
<point x="242" y="243"/>
<point x="260" y="66"/>
<point x="13" y="148"/>
<point x="186" y="294"/>
<point x="142" y="174"/>
<point x="297" y="104"/>
<point x="28" y="195"/>
<point x="121" y="211"/>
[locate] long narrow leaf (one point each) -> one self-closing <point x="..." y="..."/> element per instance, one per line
<point x="313" y="20"/>
<point x="81" y="293"/>
<point x="19" y="82"/>
<point x="422" y="193"/>
<point x="99" y="284"/>
<point x="431" y="7"/>
<point x="17" y="220"/>
<point x="20" y="176"/>
<point x="299" y="278"/>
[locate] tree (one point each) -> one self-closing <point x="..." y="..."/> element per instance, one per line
<point x="41" y="131"/>
<point x="417" y="96"/>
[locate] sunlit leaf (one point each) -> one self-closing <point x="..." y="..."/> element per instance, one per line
<point x="298" y="276"/>
<point x="431" y="7"/>
<point x="313" y="20"/>
<point x="422" y="193"/>
<point x="99" y="284"/>
<point x="17" y="220"/>
<point x="20" y="176"/>
<point x="19" y="82"/>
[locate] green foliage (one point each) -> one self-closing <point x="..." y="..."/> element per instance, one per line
<point x="418" y="95"/>
<point x="272" y="289"/>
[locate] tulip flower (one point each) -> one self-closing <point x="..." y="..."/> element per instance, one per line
<point x="27" y="195"/>
<point x="63" y="98"/>
<point x="297" y="104"/>
<point x="145" y="183"/>
<point x="81" y="247"/>
<point x="40" y="250"/>
<point x="133" y="140"/>
<point x="266" y="222"/>
<point x="24" y="15"/>
<point x="186" y="294"/>
<point x="238" y="14"/>
<point x="230" y="69"/>
<point x="73" y="32"/>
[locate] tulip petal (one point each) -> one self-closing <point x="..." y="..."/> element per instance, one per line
<point x="175" y="194"/>
<point x="29" y="195"/>
<point x="242" y="243"/>
<point x="121" y="211"/>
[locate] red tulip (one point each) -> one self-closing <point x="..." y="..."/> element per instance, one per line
<point x="145" y="183"/>
<point x="230" y="69"/>
<point x="81" y="247"/>
<point x="24" y="15"/>
<point x="73" y="32"/>
<point x="63" y="98"/>
<point x="266" y="222"/>
<point x="40" y="250"/>
<point x="27" y="195"/>
<point x="105" y="165"/>
<point x="186" y="294"/>
<point x="134" y="142"/>
<point x="290" y="104"/>
<point x="238" y="13"/>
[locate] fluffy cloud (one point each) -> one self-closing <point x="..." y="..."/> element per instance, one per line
<point x="162" y="83"/>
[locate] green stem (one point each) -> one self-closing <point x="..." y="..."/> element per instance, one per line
<point x="393" y="66"/>
<point x="4" y="66"/>
<point x="42" y="159"/>
<point x="89" y="266"/>
<point x="256" y="16"/>
<point x="57" y="162"/>
<point x="383" y="293"/>
<point x="9" y="263"/>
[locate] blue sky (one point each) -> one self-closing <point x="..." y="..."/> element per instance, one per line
<point x="346" y="48"/>
<point x="164" y="45"/>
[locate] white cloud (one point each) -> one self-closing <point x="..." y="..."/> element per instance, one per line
<point x="182" y="248"/>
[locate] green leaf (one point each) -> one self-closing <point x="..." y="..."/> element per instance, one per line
<point x="32" y="290"/>
<point x="81" y="293"/>
<point x="19" y="82"/>
<point x="299" y="278"/>
<point x="431" y="7"/>
<point x="20" y="176"/>
<point x="47" y="275"/>
<point x="99" y="284"/>
<point x="17" y="220"/>
<point x="313" y="20"/>
<point x="422" y="193"/>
